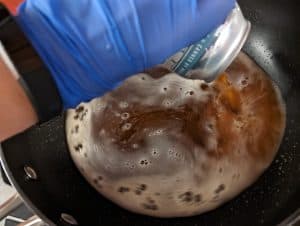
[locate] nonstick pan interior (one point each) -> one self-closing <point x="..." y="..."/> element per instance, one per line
<point x="274" y="44"/>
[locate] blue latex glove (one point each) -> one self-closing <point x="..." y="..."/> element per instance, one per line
<point x="90" y="46"/>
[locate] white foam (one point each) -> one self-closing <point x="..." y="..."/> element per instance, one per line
<point x="161" y="158"/>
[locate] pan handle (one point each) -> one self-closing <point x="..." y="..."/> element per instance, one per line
<point x="33" y="221"/>
<point x="11" y="204"/>
<point x="292" y="220"/>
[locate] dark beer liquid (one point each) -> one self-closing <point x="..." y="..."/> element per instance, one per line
<point x="168" y="146"/>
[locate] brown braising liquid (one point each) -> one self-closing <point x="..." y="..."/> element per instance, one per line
<point x="168" y="146"/>
<point x="241" y="103"/>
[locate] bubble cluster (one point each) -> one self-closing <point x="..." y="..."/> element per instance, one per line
<point x="75" y="129"/>
<point x="190" y="197"/>
<point x="174" y="154"/>
<point x="150" y="205"/>
<point x="80" y="113"/>
<point x="144" y="162"/>
<point x="78" y="147"/>
<point x="140" y="189"/>
<point x="123" y="189"/>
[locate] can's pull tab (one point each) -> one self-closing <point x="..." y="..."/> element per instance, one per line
<point x="212" y="55"/>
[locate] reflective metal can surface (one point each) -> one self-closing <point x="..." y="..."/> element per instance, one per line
<point x="212" y="55"/>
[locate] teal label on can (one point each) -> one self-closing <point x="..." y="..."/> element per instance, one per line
<point x="193" y="54"/>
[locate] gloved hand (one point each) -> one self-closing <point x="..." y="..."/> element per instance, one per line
<point x="90" y="46"/>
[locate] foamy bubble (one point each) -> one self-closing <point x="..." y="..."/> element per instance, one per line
<point x="210" y="126"/>
<point x="155" y="152"/>
<point x="125" y="116"/>
<point x="189" y="93"/>
<point x="171" y="151"/>
<point x="126" y="126"/>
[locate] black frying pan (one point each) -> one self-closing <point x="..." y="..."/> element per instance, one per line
<point x="59" y="188"/>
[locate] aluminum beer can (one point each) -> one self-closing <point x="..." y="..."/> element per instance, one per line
<point x="213" y="54"/>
